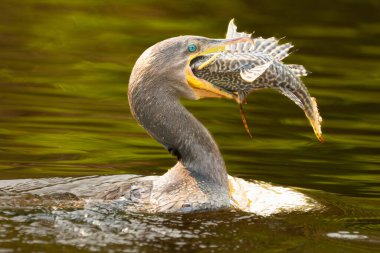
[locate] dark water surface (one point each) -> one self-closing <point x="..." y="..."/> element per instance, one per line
<point x="64" y="70"/>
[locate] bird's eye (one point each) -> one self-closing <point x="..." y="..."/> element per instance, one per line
<point x="192" y="48"/>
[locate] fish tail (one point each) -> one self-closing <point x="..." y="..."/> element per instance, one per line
<point x="316" y="120"/>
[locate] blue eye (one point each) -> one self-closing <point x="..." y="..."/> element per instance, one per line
<point x="192" y="48"/>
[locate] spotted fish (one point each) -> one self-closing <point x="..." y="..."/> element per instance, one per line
<point x="245" y="67"/>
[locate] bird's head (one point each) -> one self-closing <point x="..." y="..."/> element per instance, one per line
<point x="168" y="62"/>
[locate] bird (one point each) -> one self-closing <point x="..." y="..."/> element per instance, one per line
<point x="161" y="76"/>
<point x="159" y="79"/>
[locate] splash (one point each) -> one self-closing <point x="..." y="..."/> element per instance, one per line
<point x="264" y="199"/>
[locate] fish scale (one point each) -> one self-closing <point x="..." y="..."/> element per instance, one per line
<point x="224" y="72"/>
<point x="246" y="67"/>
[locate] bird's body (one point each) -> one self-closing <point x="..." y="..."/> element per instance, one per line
<point x="176" y="191"/>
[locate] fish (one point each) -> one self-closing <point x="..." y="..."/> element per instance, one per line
<point x="246" y="67"/>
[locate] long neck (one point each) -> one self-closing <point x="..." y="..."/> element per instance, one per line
<point x="159" y="111"/>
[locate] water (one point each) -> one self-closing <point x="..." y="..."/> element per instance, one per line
<point x="64" y="71"/>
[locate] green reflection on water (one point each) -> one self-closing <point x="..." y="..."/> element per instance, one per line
<point x="65" y="66"/>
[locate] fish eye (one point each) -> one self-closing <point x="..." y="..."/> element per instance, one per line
<point x="192" y="48"/>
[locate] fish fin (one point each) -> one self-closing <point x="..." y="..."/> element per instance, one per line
<point x="232" y="33"/>
<point x="281" y="51"/>
<point x="231" y="30"/>
<point x="271" y="47"/>
<point x="251" y="74"/>
<point x="292" y="97"/>
<point x="244" y="120"/>
<point x="242" y="97"/>
<point x="265" y="45"/>
<point x="298" y="70"/>
<point x="268" y="46"/>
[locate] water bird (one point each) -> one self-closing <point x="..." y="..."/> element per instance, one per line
<point x="164" y="73"/>
<point x="168" y="71"/>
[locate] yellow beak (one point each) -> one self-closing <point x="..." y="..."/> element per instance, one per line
<point x="203" y="88"/>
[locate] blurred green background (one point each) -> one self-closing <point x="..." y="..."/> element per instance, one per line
<point x="65" y="65"/>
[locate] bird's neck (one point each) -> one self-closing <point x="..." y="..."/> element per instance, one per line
<point x="160" y="112"/>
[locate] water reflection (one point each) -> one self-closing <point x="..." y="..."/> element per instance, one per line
<point x="101" y="227"/>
